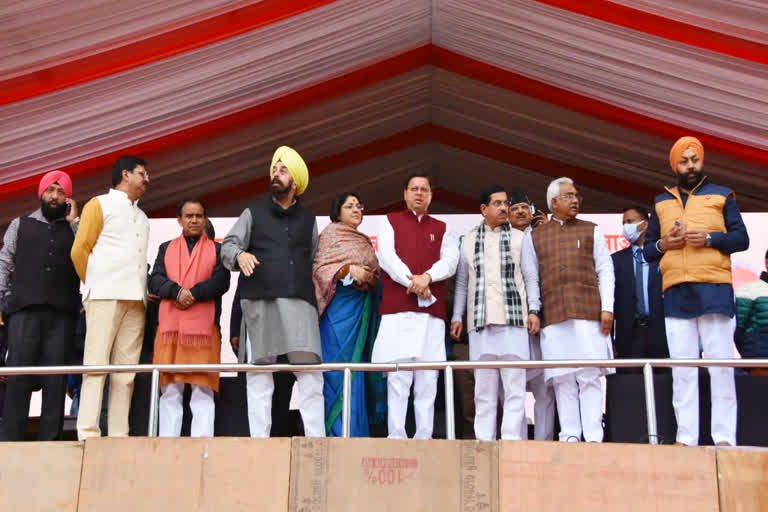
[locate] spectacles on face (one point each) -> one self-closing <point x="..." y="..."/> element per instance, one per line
<point x="415" y="190"/>
<point x="351" y="207"/>
<point x="570" y="196"/>
<point x="499" y="204"/>
<point x="143" y="173"/>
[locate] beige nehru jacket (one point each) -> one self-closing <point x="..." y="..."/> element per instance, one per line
<point x="495" y="311"/>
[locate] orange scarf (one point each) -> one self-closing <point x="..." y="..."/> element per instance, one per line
<point x="194" y="325"/>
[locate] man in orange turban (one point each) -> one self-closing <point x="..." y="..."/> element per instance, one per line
<point x="688" y="152"/>
<point x="39" y="301"/>
<point x="695" y="226"/>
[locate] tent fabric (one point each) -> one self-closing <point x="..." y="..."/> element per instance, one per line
<point x="472" y="91"/>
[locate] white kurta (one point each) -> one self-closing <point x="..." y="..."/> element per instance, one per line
<point x="499" y="340"/>
<point x="575" y="338"/>
<point x="411" y="335"/>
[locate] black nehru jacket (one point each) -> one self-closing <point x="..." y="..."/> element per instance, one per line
<point x="44" y="274"/>
<point x="282" y="242"/>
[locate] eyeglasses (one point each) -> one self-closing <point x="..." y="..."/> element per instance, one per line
<point x="353" y="206"/>
<point x="145" y="174"/>
<point x="499" y="204"/>
<point x="570" y="196"/>
<point x="415" y="190"/>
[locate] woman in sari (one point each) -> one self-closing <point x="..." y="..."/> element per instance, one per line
<point x="345" y="275"/>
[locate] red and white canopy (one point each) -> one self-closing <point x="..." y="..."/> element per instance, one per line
<point x="473" y="91"/>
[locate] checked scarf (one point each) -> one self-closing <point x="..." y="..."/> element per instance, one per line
<point x="512" y="300"/>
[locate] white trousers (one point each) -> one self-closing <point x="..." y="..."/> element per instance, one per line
<point x="424" y="392"/>
<point x="259" y="389"/>
<point x="716" y="335"/>
<point x="172" y="410"/>
<point x="580" y="405"/>
<point x="487" y="400"/>
<point x="543" y="410"/>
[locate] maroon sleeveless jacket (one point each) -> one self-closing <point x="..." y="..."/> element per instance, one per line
<point x="418" y="246"/>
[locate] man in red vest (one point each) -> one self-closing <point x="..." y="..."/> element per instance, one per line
<point x="416" y="253"/>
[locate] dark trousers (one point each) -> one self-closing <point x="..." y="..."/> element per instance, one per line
<point x="38" y="336"/>
<point x="641" y="345"/>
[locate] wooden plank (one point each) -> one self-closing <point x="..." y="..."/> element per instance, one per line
<point x="551" y="476"/>
<point x="40" y="476"/>
<point x="338" y="475"/>
<point x="743" y="479"/>
<point x="151" y="474"/>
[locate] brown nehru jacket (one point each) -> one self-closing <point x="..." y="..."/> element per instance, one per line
<point x="569" y="286"/>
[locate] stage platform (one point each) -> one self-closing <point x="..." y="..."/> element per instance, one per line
<point x="314" y="475"/>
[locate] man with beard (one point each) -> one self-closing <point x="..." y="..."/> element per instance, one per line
<point x="40" y="304"/>
<point x="272" y="244"/>
<point x="489" y="284"/>
<point x="694" y="228"/>
<point x="417" y="253"/>
<point x="110" y="256"/>
<point x="521" y="218"/>
<point x="569" y="280"/>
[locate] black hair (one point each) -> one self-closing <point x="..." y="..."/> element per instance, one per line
<point x="485" y="195"/>
<point x="191" y="200"/>
<point x="338" y="202"/>
<point x="210" y="232"/>
<point x="642" y="210"/>
<point x="419" y="175"/>
<point x="125" y="163"/>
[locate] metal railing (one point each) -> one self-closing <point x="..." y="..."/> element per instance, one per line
<point x="447" y="366"/>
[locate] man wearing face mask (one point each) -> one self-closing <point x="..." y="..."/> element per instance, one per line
<point x="695" y="227"/>
<point x="40" y="303"/>
<point x="638" y="304"/>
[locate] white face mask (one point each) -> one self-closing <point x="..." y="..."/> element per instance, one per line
<point x="632" y="233"/>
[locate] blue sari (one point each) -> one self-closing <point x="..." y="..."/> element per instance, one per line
<point x="347" y="329"/>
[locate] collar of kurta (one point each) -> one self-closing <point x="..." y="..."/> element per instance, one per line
<point x="115" y="192"/>
<point x="419" y="217"/>
<point x="561" y="222"/>
<point x="284" y="212"/>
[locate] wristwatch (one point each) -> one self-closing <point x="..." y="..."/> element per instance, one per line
<point x="534" y="312"/>
<point x="709" y="240"/>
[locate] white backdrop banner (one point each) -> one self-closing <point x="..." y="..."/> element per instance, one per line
<point x="747" y="265"/>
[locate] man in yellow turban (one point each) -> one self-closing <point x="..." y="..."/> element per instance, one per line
<point x="295" y="165"/>
<point x="272" y="245"/>
<point x="695" y="226"/>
